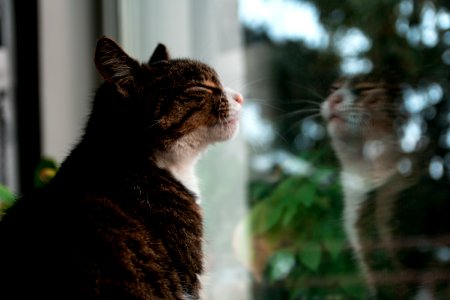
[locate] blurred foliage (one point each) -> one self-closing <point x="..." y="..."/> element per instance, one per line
<point x="397" y="33"/>
<point x="44" y="172"/>
<point x="6" y="198"/>
<point x="396" y="30"/>
<point x="299" y="248"/>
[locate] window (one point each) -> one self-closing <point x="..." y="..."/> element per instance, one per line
<point x="348" y="127"/>
<point x="337" y="186"/>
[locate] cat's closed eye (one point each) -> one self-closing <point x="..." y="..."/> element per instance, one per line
<point x="199" y="89"/>
<point x="208" y="88"/>
<point x="358" y="90"/>
<point x="334" y="88"/>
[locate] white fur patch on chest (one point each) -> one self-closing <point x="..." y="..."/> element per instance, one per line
<point x="183" y="171"/>
<point x="181" y="160"/>
<point x="355" y="191"/>
<point x="186" y="175"/>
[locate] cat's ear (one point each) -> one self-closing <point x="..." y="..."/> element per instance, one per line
<point x="160" y="54"/>
<point x="115" y="65"/>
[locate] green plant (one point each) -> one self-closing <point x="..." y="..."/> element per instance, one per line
<point x="6" y="198"/>
<point x="45" y="171"/>
<point x="298" y="240"/>
<point x="6" y="195"/>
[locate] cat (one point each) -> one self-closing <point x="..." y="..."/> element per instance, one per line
<point x="121" y="219"/>
<point x="395" y="215"/>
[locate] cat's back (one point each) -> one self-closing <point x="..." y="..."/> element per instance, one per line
<point x="32" y="233"/>
<point x="101" y="242"/>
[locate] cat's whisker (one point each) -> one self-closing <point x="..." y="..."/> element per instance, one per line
<point x="304" y="112"/>
<point x="247" y="84"/>
<point x="314" y="93"/>
<point x="264" y="103"/>
<point x="154" y="124"/>
<point x="301" y="101"/>
<point x="221" y="122"/>
<point x="295" y="124"/>
<point x="261" y="145"/>
<point x="313" y="116"/>
<point x="356" y="111"/>
<point x="300" y="111"/>
<point x="277" y="133"/>
<point x="292" y="127"/>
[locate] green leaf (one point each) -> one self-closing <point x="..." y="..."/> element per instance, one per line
<point x="289" y="214"/>
<point x="356" y="292"/>
<point x="281" y="205"/>
<point x="334" y="247"/>
<point x="273" y="218"/>
<point x="259" y="190"/>
<point x="306" y="193"/>
<point x="297" y="294"/>
<point x="311" y="255"/>
<point x="283" y="193"/>
<point x="323" y="202"/>
<point x="6" y="195"/>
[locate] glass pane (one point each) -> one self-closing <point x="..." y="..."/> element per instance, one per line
<point x="347" y="121"/>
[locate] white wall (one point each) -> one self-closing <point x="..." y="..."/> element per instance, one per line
<point x="147" y="23"/>
<point x="67" y="72"/>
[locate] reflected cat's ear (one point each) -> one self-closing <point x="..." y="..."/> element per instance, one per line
<point x="160" y="54"/>
<point x="115" y="65"/>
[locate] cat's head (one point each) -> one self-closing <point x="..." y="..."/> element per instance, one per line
<point x="361" y="107"/>
<point x="165" y="100"/>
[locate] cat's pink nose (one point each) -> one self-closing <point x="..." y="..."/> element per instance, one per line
<point x="238" y="98"/>
<point x="335" y="100"/>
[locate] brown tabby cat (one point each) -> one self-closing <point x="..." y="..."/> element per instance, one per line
<point x="120" y="220"/>
<point x="395" y="215"/>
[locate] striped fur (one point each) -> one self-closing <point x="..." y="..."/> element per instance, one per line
<point x="120" y="220"/>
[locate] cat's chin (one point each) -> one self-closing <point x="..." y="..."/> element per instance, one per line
<point x="339" y="129"/>
<point x="336" y="126"/>
<point x="225" y="130"/>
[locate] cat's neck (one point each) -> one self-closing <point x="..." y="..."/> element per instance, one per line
<point x="372" y="160"/>
<point x="180" y="160"/>
<point x="181" y="168"/>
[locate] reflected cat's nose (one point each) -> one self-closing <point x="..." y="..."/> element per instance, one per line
<point x="335" y="100"/>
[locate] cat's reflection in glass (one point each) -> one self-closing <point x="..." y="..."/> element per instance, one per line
<point x="386" y="135"/>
